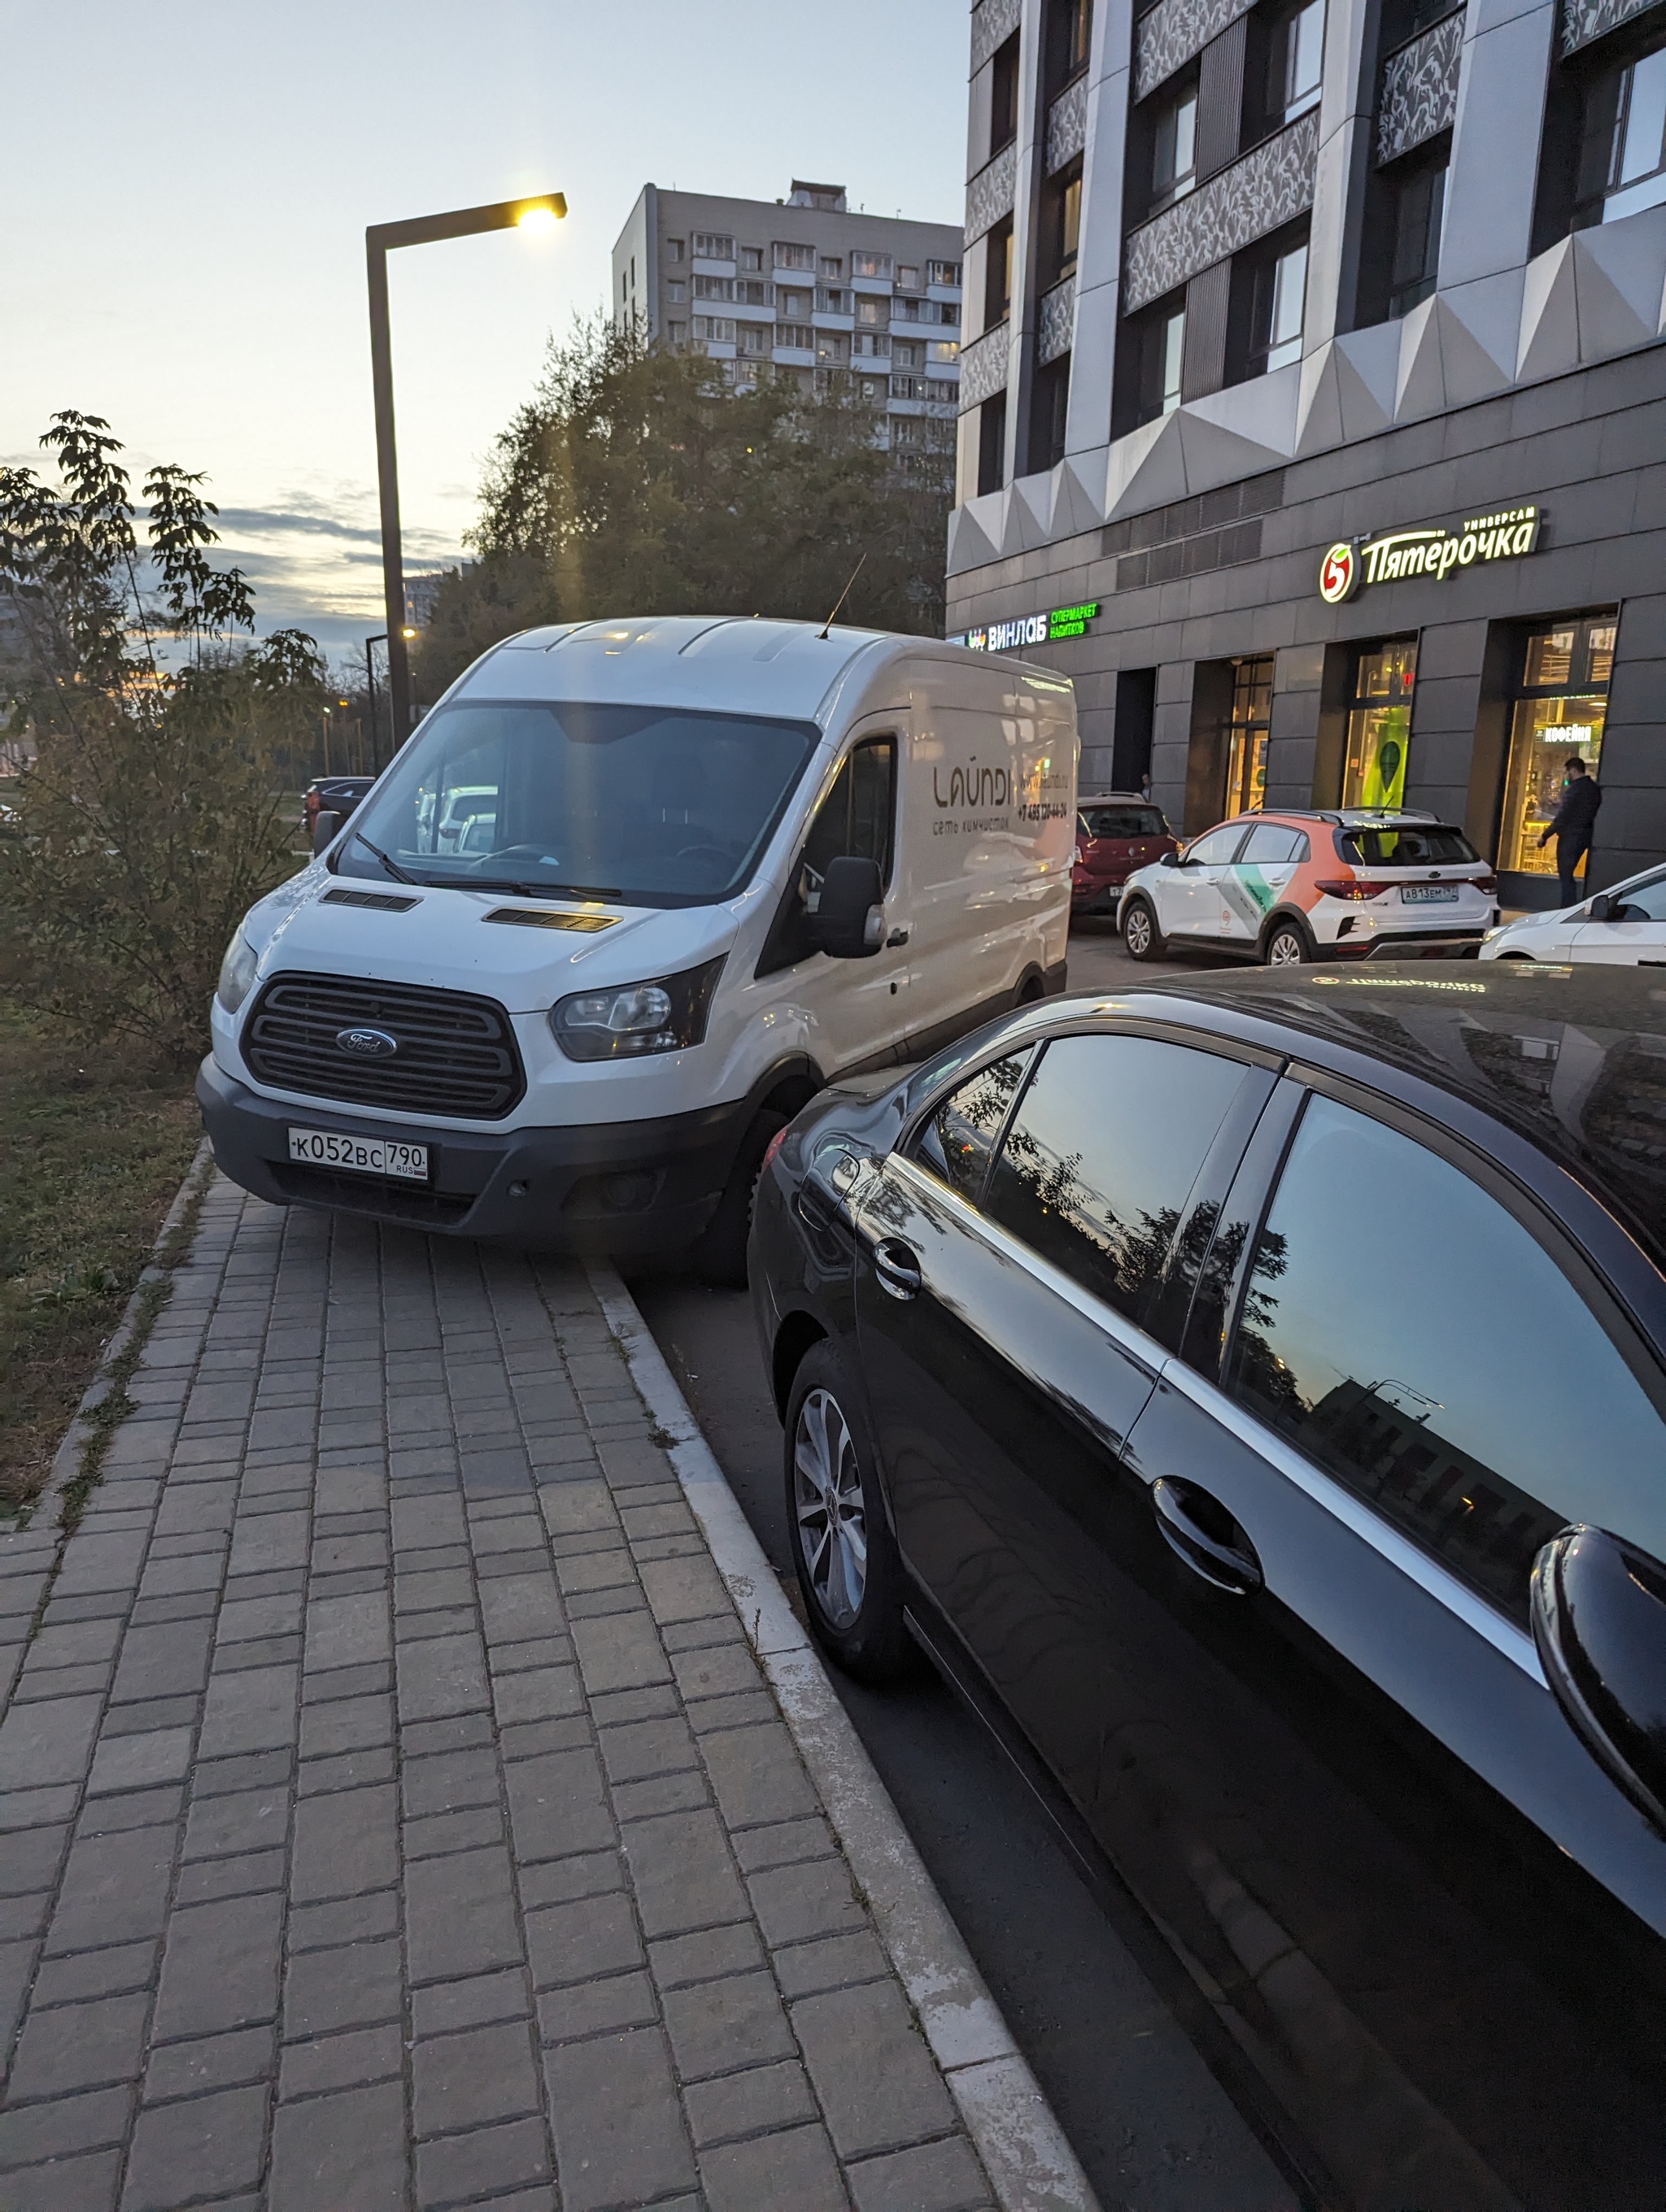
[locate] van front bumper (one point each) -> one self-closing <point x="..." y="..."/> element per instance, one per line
<point x="623" y="1188"/>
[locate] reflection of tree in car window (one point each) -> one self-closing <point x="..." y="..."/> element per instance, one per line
<point x="956" y="1140"/>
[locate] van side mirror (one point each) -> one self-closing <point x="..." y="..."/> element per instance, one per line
<point x="850" y="922"/>
<point x="1598" y="1609"/>
<point x="324" y="826"/>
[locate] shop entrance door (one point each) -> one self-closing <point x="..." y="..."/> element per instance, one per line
<point x="1561" y="710"/>
<point x="1380" y="725"/>
<point x="1246" y="735"/>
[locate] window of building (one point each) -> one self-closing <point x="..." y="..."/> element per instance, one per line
<point x="875" y="312"/>
<point x="908" y="353"/>
<point x="1420" y="202"/>
<point x="1069" y="40"/>
<point x="1061" y="223"/>
<point x="673" y="249"/>
<point x="1160" y="345"/>
<point x="793" y="256"/>
<point x="1174" y="149"/>
<point x="714" y="287"/>
<point x="677" y="333"/>
<point x="1379" y="725"/>
<point x="1413" y="1385"/>
<point x="1004" y="96"/>
<point x="1623" y="157"/>
<point x="677" y="291"/>
<point x="718" y="329"/>
<point x="909" y="388"/>
<point x="1295" y="54"/>
<point x="799" y="336"/>
<point x="1561" y="710"/>
<point x="867" y="344"/>
<point x="871" y="264"/>
<point x="832" y="349"/>
<point x="943" y="272"/>
<point x="753" y="291"/>
<point x="1250" y="721"/>
<point x="998" y="274"/>
<point x="713" y="246"/>
<point x="1269" y="285"/>
<point x="991" y="444"/>
<point x="877" y="388"/>
<point x="908" y="280"/>
<point x="831" y="265"/>
<point x="752" y="256"/>
<point x="754" y="338"/>
<point x="1100" y="1156"/>
<point x="943" y="351"/>
<point x="1049" y="409"/>
<point x="793" y="302"/>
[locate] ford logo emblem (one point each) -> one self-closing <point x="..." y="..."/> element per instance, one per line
<point x="367" y="1044"/>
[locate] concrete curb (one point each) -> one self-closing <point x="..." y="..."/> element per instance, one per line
<point x="66" y="1460"/>
<point x="1030" y="2165"/>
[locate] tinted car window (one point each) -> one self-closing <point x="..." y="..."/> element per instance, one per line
<point x="1271" y="845"/>
<point x="1408" y="1333"/>
<point x="956" y="1139"/>
<point x="1096" y="1169"/>
<point x="1123" y="822"/>
<point x="1406" y="848"/>
<point x="1219" y="845"/>
<point x="1643" y="902"/>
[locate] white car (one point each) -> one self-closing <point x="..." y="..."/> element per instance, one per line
<point x="1624" y="926"/>
<point x="1292" y="884"/>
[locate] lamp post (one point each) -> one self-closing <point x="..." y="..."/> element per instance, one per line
<point x="539" y="212"/>
<point x="370" y="645"/>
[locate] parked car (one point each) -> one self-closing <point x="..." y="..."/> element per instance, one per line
<point x="1289" y="886"/>
<point x="1624" y="926"/>
<point x="1251" y="1391"/>
<point x="1116" y="832"/>
<point x="631" y="895"/>
<point x="332" y="794"/>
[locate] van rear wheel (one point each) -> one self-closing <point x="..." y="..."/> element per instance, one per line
<point x="1140" y="933"/>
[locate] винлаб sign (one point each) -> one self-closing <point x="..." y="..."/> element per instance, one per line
<point x="1029" y="629"/>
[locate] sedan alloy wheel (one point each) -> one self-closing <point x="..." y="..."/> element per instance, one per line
<point x="831" y="1509"/>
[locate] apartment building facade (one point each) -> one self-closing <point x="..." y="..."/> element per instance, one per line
<point x="1313" y="402"/>
<point x="802" y="286"/>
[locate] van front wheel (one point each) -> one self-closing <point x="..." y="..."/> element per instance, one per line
<point x="720" y="1257"/>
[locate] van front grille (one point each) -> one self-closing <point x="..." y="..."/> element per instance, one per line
<point x="454" y="1055"/>
<point x="438" y="1209"/>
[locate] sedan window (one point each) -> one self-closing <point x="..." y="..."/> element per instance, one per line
<point x="958" y="1137"/>
<point x="1218" y="846"/>
<point x="1406" y="1332"/>
<point x="1122" y="821"/>
<point x="1643" y="902"/>
<point x="1271" y="845"/>
<point x="1096" y="1170"/>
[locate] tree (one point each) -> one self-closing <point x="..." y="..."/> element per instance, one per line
<point x="152" y="817"/>
<point x="635" y="482"/>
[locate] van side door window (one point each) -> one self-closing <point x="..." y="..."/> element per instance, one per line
<point x="1404" y="1330"/>
<point x="858" y="818"/>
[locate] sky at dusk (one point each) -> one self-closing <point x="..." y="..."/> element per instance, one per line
<point x="186" y="190"/>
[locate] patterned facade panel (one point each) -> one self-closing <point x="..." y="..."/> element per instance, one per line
<point x="1585" y="20"/>
<point x="993" y="22"/>
<point x="1172" y="32"/>
<point x="989" y="195"/>
<point x="1419" y="89"/>
<point x="1055" y="322"/>
<point x="983" y="367"/>
<point x="1067" y="125"/>
<point x="1271" y="185"/>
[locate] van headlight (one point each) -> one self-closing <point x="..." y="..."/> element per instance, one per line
<point x="236" y="972"/>
<point x="631" y="1020"/>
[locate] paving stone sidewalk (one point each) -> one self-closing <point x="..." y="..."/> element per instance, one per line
<point x="393" y="1812"/>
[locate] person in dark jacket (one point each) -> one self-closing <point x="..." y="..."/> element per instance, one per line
<point x="1571" y="824"/>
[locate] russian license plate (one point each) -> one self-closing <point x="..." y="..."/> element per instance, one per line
<point x="373" y="1156"/>
<point x="1428" y="894"/>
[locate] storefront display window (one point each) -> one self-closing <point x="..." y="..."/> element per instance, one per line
<point x="1246" y="758"/>
<point x="1380" y="724"/>
<point x="1560" y="711"/>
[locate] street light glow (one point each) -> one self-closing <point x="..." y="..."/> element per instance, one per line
<point x="536" y="218"/>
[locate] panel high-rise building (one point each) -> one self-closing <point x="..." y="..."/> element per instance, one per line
<point x="1314" y="345"/>
<point x="802" y="286"/>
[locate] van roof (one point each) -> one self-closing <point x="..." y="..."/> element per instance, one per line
<point x="789" y="668"/>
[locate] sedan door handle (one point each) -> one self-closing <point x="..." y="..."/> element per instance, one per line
<point x="1199" y="1531"/>
<point x="897" y="1266"/>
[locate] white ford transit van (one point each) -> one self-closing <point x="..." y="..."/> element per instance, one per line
<point x="630" y="894"/>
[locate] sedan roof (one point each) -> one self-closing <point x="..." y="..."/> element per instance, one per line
<point x="1572" y="1058"/>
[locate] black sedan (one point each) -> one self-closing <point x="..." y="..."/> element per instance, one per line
<point x="1252" y="1394"/>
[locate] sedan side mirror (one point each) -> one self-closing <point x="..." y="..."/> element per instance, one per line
<point x="849" y="921"/>
<point x="1168" y="859"/>
<point x="1599" y="1622"/>
<point x="324" y="826"/>
<point x="1603" y="907"/>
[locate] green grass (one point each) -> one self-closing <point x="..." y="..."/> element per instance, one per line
<point x="93" y="1147"/>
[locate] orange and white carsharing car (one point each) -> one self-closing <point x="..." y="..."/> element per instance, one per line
<point x="1293" y="885"/>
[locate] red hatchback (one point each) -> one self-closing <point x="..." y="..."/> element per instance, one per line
<point x="1115" y="833"/>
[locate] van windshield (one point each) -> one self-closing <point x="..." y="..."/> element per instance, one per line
<point x="650" y="805"/>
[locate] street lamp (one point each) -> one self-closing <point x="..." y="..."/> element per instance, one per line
<point x="541" y="212"/>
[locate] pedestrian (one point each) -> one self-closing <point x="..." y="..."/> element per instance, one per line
<point x="1571" y="824"/>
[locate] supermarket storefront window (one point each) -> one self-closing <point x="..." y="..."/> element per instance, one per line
<point x="1380" y="724"/>
<point x="1561" y="709"/>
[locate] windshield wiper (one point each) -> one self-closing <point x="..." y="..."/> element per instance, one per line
<point x="392" y="866"/>
<point x="539" y="890"/>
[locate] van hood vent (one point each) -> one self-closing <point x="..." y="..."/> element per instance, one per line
<point x="529" y="917"/>
<point x="379" y="902"/>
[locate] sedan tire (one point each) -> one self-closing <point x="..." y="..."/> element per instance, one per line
<point x="1140" y="933"/>
<point x="848" y="1568"/>
<point x="1286" y="946"/>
